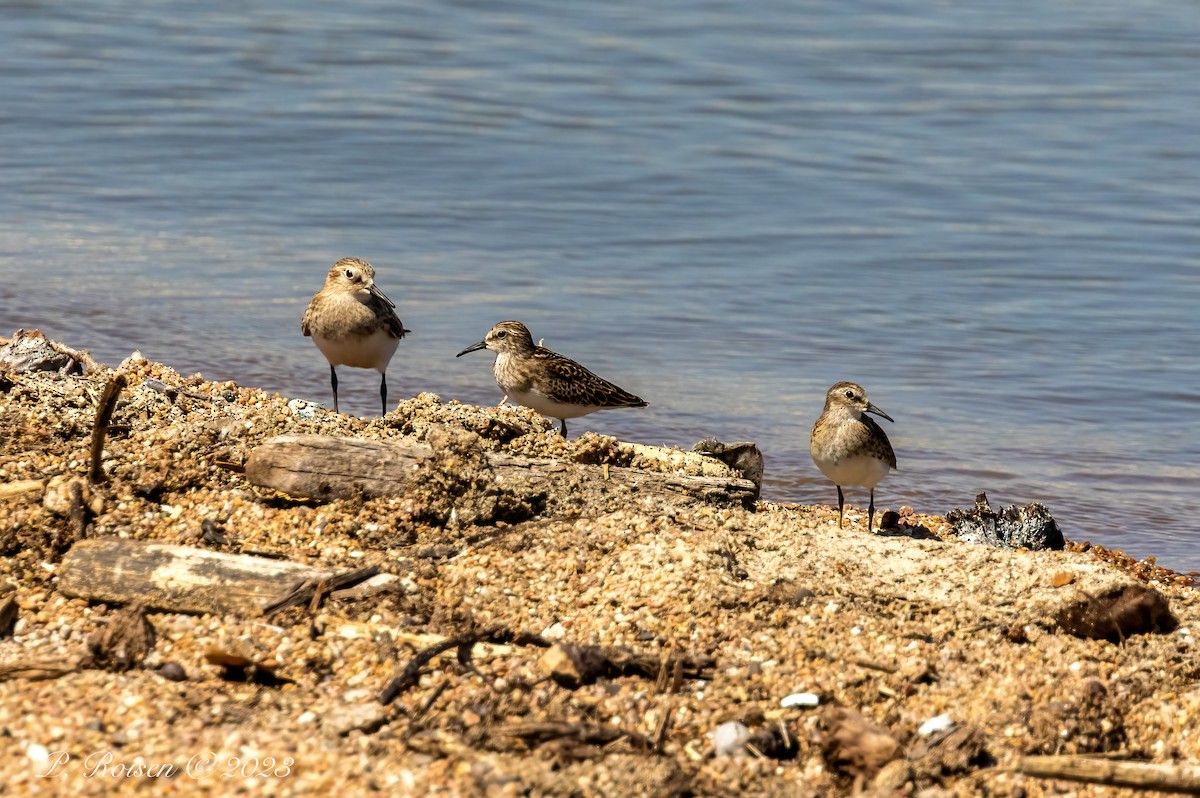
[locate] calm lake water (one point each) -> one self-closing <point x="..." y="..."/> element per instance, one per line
<point x="984" y="213"/>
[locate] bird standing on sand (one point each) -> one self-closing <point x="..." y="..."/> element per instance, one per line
<point x="553" y="385"/>
<point x="353" y="323"/>
<point x="849" y="447"/>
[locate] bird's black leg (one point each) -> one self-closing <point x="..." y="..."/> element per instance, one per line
<point x="383" y="390"/>
<point x="841" y="501"/>
<point x="871" y="510"/>
<point x="564" y="427"/>
<point x="333" y="382"/>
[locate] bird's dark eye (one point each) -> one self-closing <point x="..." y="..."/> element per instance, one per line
<point x="849" y="394"/>
<point x="349" y="274"/>
<point x="502" y="334"/>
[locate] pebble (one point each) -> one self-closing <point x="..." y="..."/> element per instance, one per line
<point x="801" y="700"/>
<point x="730" y="738"/>
<point x="936" y="724"/>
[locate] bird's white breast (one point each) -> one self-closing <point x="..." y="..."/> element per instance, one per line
<point x="547" y="406"/>
<point x="371" y="351"/>
<point x="857" y="469"/>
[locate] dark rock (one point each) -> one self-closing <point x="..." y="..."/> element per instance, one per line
<point x="1117" y="613"/>
<point x="1022" y="526"/>
<point x="172" y="672"/>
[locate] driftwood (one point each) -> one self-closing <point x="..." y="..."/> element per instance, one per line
<point x="163" y="576"/>
<point x="1137" y="775"/>
<point x="587" y="734"/>
<point x="324" y="468"/>
<point x="23" y="487"/>
<point x="38" y="670"/>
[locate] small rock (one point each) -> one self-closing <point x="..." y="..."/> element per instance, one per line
<point x="892" y="777"/>
<point x="801" y="700"/>
<point x="935" y="724"/>
<point x="303" y="409"/>
<point x="65" y="494"/>
<point x="572" y="666"/>
<point x="172" y="672"/>
<point x="730" y="738"/>
<point x="366" y="717"/>
<point x="1062" y="579"/>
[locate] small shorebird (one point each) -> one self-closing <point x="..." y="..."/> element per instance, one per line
<point x="353" y="323"/>
<point x="849" y="447"/>
<point x="553" y="385"/>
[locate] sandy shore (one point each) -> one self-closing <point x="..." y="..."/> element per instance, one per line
<point x="832" y="649"/>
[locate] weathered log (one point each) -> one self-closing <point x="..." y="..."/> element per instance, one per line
<point x="163" y="576"/>
<point x="1137" y="775"/>
<point x="323" y="467"/>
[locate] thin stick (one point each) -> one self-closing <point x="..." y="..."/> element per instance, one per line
<point x="1143" y="775"/>
<point x="104" y="411"/>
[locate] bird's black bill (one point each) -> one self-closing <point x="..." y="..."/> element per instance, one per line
<point x="374" y="290"/>
<point x="870" y="408"/>
<point x="473" y="348"/>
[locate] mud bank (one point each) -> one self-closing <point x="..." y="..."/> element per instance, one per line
<point x="578" y="637"/>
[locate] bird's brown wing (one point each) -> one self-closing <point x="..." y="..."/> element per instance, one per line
<point x="564" y="380"/>
<point x="882" y="439"/>
<point x="385" y="310"/>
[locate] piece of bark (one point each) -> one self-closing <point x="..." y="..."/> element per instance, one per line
<point x="323" y="467"/>
<point x="9" y="612"/>
<point x="121" y="644"/>
<point x="1136" y="775"/>
<point x="239" y="668"/>
<point x="163" y="576"/>
<point x="853" y="746"/>
<point x="34" y="670"/>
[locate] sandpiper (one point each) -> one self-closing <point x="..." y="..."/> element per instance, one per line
<point x="849" y="447"/>
<point x="353" y="323"/>
<point x="551" y="384"/>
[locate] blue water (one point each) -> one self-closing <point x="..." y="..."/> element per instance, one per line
<point x="984" y="213"/>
